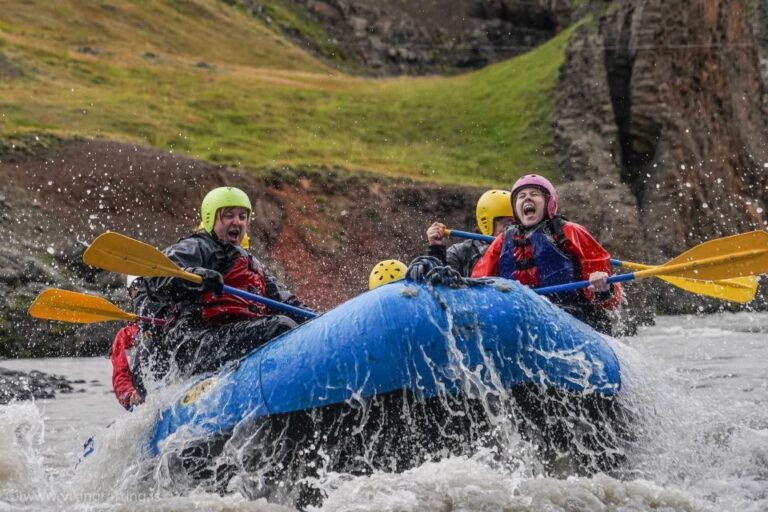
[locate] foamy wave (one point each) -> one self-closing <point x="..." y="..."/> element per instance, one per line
<point x="117" y="462"/>
<point x="21" y="461"/>
<point x="466" y="484"/>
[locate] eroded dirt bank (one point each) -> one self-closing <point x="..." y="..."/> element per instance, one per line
<point x="320" y="230"/>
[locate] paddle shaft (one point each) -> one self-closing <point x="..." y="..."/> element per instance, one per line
<point x="467" y="234"/>
<point x="190" y="276"/>
<point x="269" y="302"/>
<point x="619" y="263"/>
<point x="486" y="238"/>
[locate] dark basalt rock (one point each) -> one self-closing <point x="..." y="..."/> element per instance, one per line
<point x="660" y="116"/>
<point x="16" y="385"/>
<point x="392" y="37"/>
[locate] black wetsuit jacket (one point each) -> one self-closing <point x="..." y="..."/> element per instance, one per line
<point x="189" y="341"/>
<point x="461" y="257"/>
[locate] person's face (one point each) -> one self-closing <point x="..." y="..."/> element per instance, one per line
<point x="530" y="206"/>
<point x="231" y="224"/>
<point x="499" y="223"/>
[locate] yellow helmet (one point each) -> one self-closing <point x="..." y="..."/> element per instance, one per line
<point x="492" y="204"/>
<point x="386" y="271"/>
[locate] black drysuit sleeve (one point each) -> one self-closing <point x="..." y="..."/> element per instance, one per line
<point x="186" y="253"/>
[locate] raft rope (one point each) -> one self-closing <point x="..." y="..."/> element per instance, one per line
<point x="429" y="270"/>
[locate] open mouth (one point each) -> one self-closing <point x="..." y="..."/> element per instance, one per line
<point x="233" y="233"/>
<point x="529" y="209"/>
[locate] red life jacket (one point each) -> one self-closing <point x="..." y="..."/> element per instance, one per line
<point x="230" y="308"/>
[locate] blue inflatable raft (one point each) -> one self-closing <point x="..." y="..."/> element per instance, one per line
<point x="402" y="339"/>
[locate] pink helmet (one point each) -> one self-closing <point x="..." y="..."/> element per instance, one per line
<point x="534" y="180"/>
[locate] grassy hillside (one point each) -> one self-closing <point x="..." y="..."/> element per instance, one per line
<point x="208" y="79"/>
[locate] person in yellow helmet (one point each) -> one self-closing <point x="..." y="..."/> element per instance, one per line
<point x="210" y="327"/>
<point x="387" y="271"/>
<point x="493" y="214"/>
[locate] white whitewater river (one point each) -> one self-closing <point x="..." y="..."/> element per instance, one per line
<point x="702" y="382"/>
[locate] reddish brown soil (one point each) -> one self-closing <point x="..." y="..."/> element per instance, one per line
<point x="321" y="231"/>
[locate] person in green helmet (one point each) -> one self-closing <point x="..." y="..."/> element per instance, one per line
<point x="493" y="214"/>
<point x="209" y="327"/>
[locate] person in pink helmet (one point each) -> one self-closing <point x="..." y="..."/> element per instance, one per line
<point x="541" y="248"/>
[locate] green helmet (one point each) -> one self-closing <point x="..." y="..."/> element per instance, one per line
<point x="222" y="197"/>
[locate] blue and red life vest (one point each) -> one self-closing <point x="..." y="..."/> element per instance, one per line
<point x="540" y="257"/>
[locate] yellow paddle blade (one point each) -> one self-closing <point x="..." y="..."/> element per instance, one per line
<point x="80" y="308"/>
<point x="738" y="289"/>
<point x="725" y="258"/>
<point x="119" y="253"/>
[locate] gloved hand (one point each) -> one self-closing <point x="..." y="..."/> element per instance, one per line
<point x="212" y="280"/>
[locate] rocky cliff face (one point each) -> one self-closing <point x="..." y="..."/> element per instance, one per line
<point x="586" y="141"/>
<point x="437" y="36"/>
<point x="660" y="106"/>
<point x="760" y="30"/>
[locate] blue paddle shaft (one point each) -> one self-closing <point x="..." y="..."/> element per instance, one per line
<point x="473" y="236"/>
<point x="269" y="302"/>
<point x="567" y="287"/>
